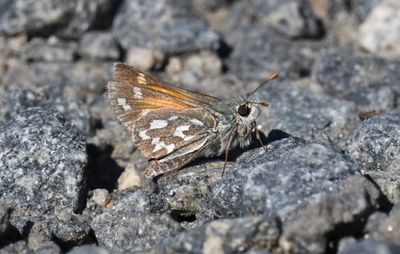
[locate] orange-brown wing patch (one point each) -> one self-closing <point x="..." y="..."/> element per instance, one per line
<point x="133" y="93"/>
<point x="126" y="73"/>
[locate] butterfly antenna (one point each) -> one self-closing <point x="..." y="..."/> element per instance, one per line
<point x="273" y="76"/>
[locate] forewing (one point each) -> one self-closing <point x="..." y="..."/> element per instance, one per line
<point x="162" y="132"/>
<point x="133" y="93"/>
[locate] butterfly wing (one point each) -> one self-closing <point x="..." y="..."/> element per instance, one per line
<point x="132" y="93"/>
<point x="162" y="132"/>
<point x="161" y="117"/>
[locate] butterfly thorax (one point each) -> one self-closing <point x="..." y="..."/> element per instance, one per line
<point x="230" y="122"/>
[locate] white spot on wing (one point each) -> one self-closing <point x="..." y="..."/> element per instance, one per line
<point x="141" y="79"/>
<point x="137" y="93"/>
<point x="158" y="124"/>
<point x="179" y="132"/>
<point x="158" y="145"/>
<point x="143" y="135"/>
<point x="122" y="102"/>
<point x="172" y="118"/>
<point x="197" y="122"/>
<point x="126" y="107"/>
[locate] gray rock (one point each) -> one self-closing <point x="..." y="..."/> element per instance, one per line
<point x="8" y="234"/>
<point x="334" y="216"/>
<point x="19" y="247"/>
<point x="361" y="8"/>
<point x="375" y="146"/>
<point x="167" y="26"/>
<point x="210" y="5"/>
<point x="383" y="227"/>
<point x="51" y="51"/>
<point x="89" y="76"/>
<point x="226" y="236"/>
<point x="122" y="228"/>
<point x="371" y="247"/>
<point x="48" y="248"/>
<point x="379" y="33"/>
<point x="294" y="19"/>
<point x="292" y="174"/>
<point x="50" y="97"/>
<point x="99" y="45"/>
<point x="87" y="14"/>
<point x="4" y="216"/>
<point x="258" y="51"/>
<point x="33" y="16"/>
<point x="302" y="112"/>
<point x="370" y="82"/>
<point x="71" y="18"/>
<point x="42" y="159"/>
<point x="187" y="193"/>
<point x="85" y="78"/>
<point x="89" y="249"/>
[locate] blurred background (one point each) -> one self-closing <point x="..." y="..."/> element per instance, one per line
<point x="338" y="60"/>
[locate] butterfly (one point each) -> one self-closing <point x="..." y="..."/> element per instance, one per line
<point x="173" y="126"/>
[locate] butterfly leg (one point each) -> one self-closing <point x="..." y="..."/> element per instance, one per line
<point x="259" y="140"/>
<point x="228" y="147"/>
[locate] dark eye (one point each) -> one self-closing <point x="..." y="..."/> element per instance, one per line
<point x="243" y="110"/>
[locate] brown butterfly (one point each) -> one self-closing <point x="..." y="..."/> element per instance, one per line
<point x="173" y="126"/>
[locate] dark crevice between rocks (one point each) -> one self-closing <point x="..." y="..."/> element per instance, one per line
<point x="9" y="236"/>
<point x="223" y="52"/>
<point x="356" y="227"/>
<point x="319" y="27"/>
<point x="26" y="230"/>
<point x="180" y="216"/>
<point x="66" y="246"/>
<point x="43" y="32"/>
<point x="384" y="204"/>
<point x="102" y="170"/>
<point x="83" y="193"/>
<point x="106" y="20"/>
<point x="122" y="53"/>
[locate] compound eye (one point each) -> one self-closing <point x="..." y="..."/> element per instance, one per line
<point x="243" y="110"/>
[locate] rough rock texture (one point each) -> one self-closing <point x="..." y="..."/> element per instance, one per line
<point x="339" y="214"/>
<point x="42" y="161"/>
<point x="371" y="247"/>
<point x="124" y="227"/>
<point x="305" y="113"/>
<point x="31" y="173"/>
<point x="52" y="51"/>
<point x="226" y="236"/>
<point x="99" y="45"/>
<point x="167" y="26"/>
<point x="294" y="19"/>
<point x="369" y="82"/>
<point x="71" y="177"/>
<point x="379" y="32"/>
<point x="258" y="51"/>
<point x="375" y="145"/>
<point x="267" y="184"/>
<point x="74" y="17"/>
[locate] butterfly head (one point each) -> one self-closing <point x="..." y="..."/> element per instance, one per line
<point x="247" y="112"/>
<point x="246" y="115"/>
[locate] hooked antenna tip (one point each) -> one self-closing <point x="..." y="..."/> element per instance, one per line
<point x="273" y="76"/>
